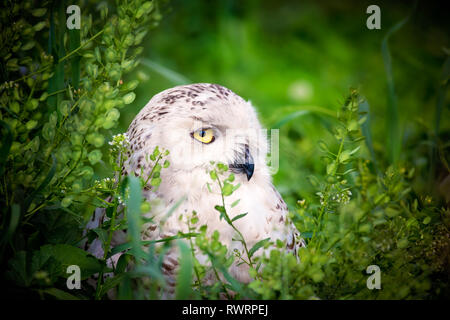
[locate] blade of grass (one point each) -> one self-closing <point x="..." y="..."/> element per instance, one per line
<point x="74" y="43"/>
<point x="128" y="245"/>
<point x="173" y="76"/>
<point x="60" y="294"/>
<point x="301" y="111"/>
<point x="184" y="277"/>
<point x="435" y="149"/>
<point x="173" y="208"/>
<point x="13" y="223"/>
<point x="393" y="126"/>
<point x="125" y="291"/>
<point x="7" y="139"/>
<point x="111" y="283"/>
<point x="133" y="205"/>
<point x="442" y="92"/>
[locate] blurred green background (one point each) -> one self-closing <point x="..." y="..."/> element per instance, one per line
<point x="287" y="56"/>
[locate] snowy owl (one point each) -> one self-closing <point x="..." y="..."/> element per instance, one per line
<point x="200" y="124"/>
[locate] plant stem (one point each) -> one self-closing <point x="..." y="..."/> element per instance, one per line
<point x="218" y="279"/>
<point x="153" y="169"/>
<point x="250" y="263"/>
<point x="327" y="191"/>
<point x="106" y="249"/>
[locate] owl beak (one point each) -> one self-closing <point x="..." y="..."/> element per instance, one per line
<point x="246" y="165"/>
<point x="249" y="168"/>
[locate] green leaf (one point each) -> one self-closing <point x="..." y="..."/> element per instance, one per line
<point x="155" y="181"/>
<point x="69" y="255"/>
<point x="239" y="216"/>
<point x="27" y="46"/>
<point x="129" y="98"/>
<point x="221" y="209"/>
<point x="235" y="203"/>
<point x="331" y="168"/>
<point x="111" y="283"/>
<point x="353" y="125"/>
<point x="156" y="152"/>
<point x="322" y="146"/>
<point x="348" y="171"/>
<point x="392" y="212"/>
<point x="313" y="180"/>
<point x="402" y="243"/>
<point x="122" y="263"/>
<point x="257" y="245"/>
<point x="184" y="278"/>
<point x="355" y="150"/>
<point x="223" y="213"/>
<point x="39" y="12"/>
<point x="60" y="294"/>
<point x="102" y="235"/>
<point x="427" y="220"/>
<point x="39" y="26"/>
<point x="236" y="187"/>
<point x="227" y="189"/>
<point x="222" y="167"/>
<point x="94" y="156"/>
<point x="66" y="201"/>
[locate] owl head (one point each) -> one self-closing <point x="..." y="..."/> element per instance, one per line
<point x="200" y="124"/>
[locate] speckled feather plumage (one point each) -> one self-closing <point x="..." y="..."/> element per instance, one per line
<point x="166" y="122"/>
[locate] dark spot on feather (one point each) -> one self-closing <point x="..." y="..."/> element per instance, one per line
<point x="167" y="266"/>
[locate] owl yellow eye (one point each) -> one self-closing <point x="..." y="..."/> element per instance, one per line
<point x="204" y="135"/>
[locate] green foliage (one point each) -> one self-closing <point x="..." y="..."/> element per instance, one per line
<point x="379" y="222"/>
<point x="358" y="207"/>
<point x="57" y="108"/>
